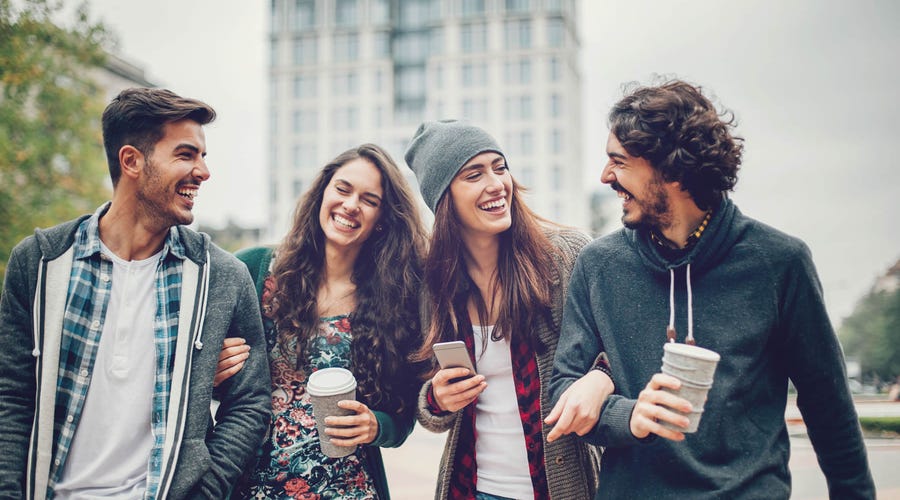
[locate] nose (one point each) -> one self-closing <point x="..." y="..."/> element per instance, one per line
<point x="351" y="204"/>
<point x="607" y="176"/>
<point x="201" y="170"/>
<point x="495" y="183"/>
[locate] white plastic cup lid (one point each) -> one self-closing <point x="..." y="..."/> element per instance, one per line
<point x="692" y="351"/>
<point x="330" y="382"/>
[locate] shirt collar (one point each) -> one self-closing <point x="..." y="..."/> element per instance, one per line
<point x="692" y="239"/>
<point x="87" y="238"/>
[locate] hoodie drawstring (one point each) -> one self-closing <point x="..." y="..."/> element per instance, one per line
<point x="670" y="330"/>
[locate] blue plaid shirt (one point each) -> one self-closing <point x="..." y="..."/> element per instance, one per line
<point x="88" y="297"/>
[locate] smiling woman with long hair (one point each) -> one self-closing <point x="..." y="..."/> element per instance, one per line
<point x="341" y="291"/>
<point x="496" y="276"/>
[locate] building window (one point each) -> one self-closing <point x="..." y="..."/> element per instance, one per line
<point x="345" y="13"/>
<point x="553" y="6"/>
<point x="378" y="81"/>
<point x="346" y="47"/>
<point x="524" y="71"/>
<point x="473" y="38"/>
<point x="304" y="155"/>
<point x="382" y="45"/>
<point x="526" y="142"/>
<point x="524" y="175"/>
<point x="304" y="15"/>
<point x="556" y="178"/>
<point x="518" y="108"/>
<point x="475" y="110"/>
<point x="346" y="118"/>
<point x="518" y="34"/>
<point x="438" y="77"/>
<point x="517" y="6"/>
<point x="304" y="121"/>
<point x="472" y="8"/>
<point x="273" y="53"/>
<point x="345" y="84"/>
<point x="411" y="47"/>
<point x="474" y="74"/>
<point x="517" y="72"/>
<point x="380" y="11"/>
<point x="555" y="69"/>
<point x="556" y="32"/>
<point x="436" y="41"/>
<point x="418" y="13"/>
<point x="305" y="51"/>
<point x="304" y="86"/>
<point x="556" y="105"/>
<point x="411" y="82"/>
<point x="556" y="141"/>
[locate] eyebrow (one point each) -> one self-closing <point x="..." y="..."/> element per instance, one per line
<point x="194" y="149"/>
<point x="366" y="193"/>
<point x="613" y="154"/>
<point x="475" y="166"/>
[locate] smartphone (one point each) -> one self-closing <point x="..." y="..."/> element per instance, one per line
<point x="453" y="354"/>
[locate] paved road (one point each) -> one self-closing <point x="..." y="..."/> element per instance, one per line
<point x="412" y="468"/>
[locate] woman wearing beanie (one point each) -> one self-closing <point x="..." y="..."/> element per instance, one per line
<point x="496" y="277"/>
<point x="329" y="300"/>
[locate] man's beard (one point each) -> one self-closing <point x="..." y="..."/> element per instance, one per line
<point x="655" y="214"/>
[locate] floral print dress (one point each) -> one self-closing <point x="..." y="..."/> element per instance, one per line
<point x="292" y="464"/>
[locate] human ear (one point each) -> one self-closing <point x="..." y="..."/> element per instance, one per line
<point x="131" y="161"/>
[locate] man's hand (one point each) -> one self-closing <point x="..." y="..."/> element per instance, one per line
<point x="352" y="430"/>
<point x="578" y="409"/>
<point x="451" y="393"/>
<point x="235" y="352"/>
<point x="654" y="405"/>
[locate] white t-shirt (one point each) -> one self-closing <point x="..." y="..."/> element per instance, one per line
<point x="500" y="447"/>
<point x="111" y="448"/>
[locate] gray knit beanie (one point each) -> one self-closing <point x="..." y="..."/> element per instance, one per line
<point x="439" y="149"/>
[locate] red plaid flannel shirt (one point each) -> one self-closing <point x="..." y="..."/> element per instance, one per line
<point x="528" y="394"/>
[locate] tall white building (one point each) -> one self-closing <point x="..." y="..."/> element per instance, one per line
<point x="344" y="72"/>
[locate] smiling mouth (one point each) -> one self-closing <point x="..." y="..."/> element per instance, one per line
<point x="345" y="222"/>
<point x="624" y="194"/>
<point x="189" y="193"/>
<point x="493" y="206"/>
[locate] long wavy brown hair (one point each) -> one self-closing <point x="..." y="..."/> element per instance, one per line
<point x="387" y="274"/>
<point x="524" y="268"/>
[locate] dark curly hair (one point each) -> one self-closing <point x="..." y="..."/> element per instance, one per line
<point x="387" y="274"/>
<point x="679" y="131"/>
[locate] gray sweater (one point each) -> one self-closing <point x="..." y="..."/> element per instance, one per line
<point x="571" y="465"/>
<point x="757" y="301"/>
<point x="217" y="293"/>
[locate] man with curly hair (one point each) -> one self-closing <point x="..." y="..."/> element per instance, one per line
<point x="689" y="257"/>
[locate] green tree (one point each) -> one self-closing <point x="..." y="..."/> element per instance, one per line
<point x="872" y="333"/>
<point x="52" y="165"/>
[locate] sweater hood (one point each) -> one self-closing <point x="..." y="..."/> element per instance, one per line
<point x="54" y="241"/>
<point x="717" y="240"/>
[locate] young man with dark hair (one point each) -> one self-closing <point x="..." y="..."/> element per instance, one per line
<point x="689" y="257"/>
<point x="111" y="325"/>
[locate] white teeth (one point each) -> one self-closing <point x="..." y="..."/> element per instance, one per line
<point x="344" y="222"/>
<point x="188" y="193"/>
<point x="493" y="204"/>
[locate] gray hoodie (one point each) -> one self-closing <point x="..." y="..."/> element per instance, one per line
<point x="756" y="301"/>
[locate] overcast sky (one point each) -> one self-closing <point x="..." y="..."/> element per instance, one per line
<point x="813" y="83"/>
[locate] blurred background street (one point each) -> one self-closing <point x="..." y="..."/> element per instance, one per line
<point x="412" y="468"/>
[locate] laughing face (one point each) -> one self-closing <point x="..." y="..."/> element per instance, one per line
<point x="482" y="195"/>
<point x="645" y="202"/>
<point x="172" y="175"/>
<point x="351" y="204"/>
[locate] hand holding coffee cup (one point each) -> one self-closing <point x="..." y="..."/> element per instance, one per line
<point x="695" y="368"/>
<point x="327" y="387"/>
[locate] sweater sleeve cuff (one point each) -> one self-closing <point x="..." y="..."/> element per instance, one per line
<point x="614" y="427"/>
<point x="432" y="404"/>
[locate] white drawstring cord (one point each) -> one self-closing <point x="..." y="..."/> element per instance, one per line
<point x="670" y="331"/>
<point x="690" y="337"/>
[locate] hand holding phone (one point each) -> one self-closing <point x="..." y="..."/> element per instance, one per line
<point x="453" y="355"/>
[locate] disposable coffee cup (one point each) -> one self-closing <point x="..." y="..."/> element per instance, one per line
<point x="326" y="387"/>
<point x="695" y="367"/>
